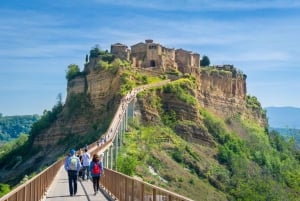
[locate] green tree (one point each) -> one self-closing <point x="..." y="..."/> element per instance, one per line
<point x="205" y="61"/>
<point x="96" y="51"/>
<point x="72" y="71"/>
<point x="127" y="164"/>
<point x="46" y="120"/>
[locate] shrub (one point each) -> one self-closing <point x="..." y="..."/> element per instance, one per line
<point x="127" y="164"/>
<point x="73" y="71"/>
<point x="177" y="156"/>
<point x="252" y="102"/>
<point x="45" y="121"/>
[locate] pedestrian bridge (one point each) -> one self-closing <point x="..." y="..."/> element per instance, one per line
<point x="52" y="183"/>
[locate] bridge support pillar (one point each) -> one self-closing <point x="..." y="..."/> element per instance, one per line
<point x="105" y="161"/>
<point x="111" y="156"/>
<point x="116" y="142"/>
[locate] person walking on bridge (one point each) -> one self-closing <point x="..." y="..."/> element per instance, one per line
<point x="96" y="168"/>
<point x="86" y="165"/>
<point x="72" y="166"/>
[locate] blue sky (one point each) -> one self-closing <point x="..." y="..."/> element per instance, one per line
<point x="39" y="39"/>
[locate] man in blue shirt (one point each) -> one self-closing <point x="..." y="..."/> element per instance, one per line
<point x="72" y="166"/>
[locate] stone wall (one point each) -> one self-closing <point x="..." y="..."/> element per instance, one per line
<point x="121" y="51"/>
<point x="186" y="60"/>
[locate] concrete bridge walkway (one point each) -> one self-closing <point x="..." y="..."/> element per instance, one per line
<point x="59" y="190"/>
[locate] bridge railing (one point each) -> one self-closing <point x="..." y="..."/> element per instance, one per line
<point x="36" y="187"/>
<point x="125" y="188"/>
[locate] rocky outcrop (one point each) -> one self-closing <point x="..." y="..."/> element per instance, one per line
<point x="60" y="129"/>
<point x="188" y="126"/>
<point x="222" y="93"/>
<point x="194" y="132"/>
<point x="96" y="95"/>
<point x="102" y="87"/>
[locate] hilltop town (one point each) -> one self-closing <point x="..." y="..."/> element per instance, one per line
<point x="149" y="54"/>
<point x="155" y="56"/>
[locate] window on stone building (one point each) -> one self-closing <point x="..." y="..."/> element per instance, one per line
<point x="152" y="47"/>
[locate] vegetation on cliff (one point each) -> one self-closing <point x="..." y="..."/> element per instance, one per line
<point x="256" y="166"/>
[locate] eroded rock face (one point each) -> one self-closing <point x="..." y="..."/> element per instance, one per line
<point x="60" y="129"/>
<point x="221" y="93"/>
<point x="183" y="110"/>
<point x="218" y="91"/>
<point x="195" y="133"/>
<point x="225" y="95"/>
<point x="101" y="88"/>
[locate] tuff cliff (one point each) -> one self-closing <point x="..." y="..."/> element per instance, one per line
<point x="224" y="92"/>
<point x="221" y="91"/>
<point x="93" y="96"/>
<point x="91" y="99"/>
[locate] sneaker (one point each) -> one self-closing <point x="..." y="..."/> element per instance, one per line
<point x="95" y="193"/>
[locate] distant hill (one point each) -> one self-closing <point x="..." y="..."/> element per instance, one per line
<point x="283" y="117"/>
<point x="12" y="126"/>
<point x="288" y="133"/>
<point x="286" y="121"/>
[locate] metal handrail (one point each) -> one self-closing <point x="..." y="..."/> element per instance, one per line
<point x="36" y="187"/>
<point x="125" y="188"/>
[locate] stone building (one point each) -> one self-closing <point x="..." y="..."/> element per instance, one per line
<point x="152" y="55"/>
<point x="186" y="60"/>
<point x="155" y="56"/>
<point x="120" y="51"/>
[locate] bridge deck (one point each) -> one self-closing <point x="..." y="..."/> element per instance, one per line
<point x="59" y="190"/>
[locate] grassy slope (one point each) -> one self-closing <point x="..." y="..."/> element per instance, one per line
<point x="148" y="147"/>
<point x="246" y="164"/>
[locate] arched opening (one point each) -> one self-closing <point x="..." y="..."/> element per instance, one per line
<point x="152" y="63"/>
